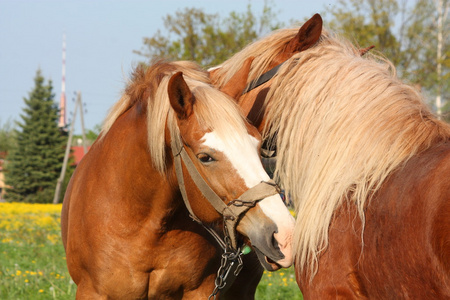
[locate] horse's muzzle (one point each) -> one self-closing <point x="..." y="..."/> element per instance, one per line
<point x="270" y="236"/>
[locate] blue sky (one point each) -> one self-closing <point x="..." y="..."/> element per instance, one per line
<point x="100" y="37"/>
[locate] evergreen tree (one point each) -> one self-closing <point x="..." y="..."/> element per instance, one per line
<point x="35" y="162"/>
<point x="7" y="137"/>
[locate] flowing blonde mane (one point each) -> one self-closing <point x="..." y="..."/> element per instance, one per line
<point x="263" y="51"/>
<point x="344" y="124"/>
<point x="213" y="109"/>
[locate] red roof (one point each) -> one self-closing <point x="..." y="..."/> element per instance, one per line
<point x="78" y="153"/>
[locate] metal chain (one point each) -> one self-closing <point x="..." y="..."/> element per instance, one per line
<point x="228" y="260"/>
<point x="238" y="202"/>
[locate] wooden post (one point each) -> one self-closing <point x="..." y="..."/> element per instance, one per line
<point x="78" y="105"/>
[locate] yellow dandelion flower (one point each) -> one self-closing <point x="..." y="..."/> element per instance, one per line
<point x="41" y="291"/>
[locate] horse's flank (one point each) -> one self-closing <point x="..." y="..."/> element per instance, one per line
<point x="342" y="108"/>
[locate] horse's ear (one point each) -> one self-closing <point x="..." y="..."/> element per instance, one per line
<point x="307" y="35"/>
<point x="180" y="96"/>
<point x="236" y="85"/>
<point x="363" y="51"/>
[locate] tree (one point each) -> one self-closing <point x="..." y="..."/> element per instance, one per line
<point x="368" y="22"/>
<point x="206" y="38"/>
<point x="91" y="136"/>
<point x="7" y="137"/>
<point x="34" y="164"/>
<point x="442" y="14"/>
<point x="410" y="34"/>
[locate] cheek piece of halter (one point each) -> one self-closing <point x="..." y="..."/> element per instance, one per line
<point x="262" y="79"/>
<point x="231" y="213"/>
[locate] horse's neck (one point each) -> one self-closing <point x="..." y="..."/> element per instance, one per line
<point x="127" y="167"/>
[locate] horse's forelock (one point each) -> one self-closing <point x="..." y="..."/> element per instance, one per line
<point x="210" y="104"/>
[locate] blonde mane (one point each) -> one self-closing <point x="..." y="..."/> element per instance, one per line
<point x="150" y="86"/>
<point x="344" y="123"/>
<point x="263" y="51"/>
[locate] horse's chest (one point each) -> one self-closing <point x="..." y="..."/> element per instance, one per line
<point x="182" y="263"/>
<point x="175" y="284"/>
<point x="181" y="274"/>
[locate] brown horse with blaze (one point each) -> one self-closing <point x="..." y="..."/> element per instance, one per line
<point x="127" y="232"/>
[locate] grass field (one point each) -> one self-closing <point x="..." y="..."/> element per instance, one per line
<point x="33" y="266"/>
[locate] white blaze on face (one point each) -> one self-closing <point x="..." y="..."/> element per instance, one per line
<point x="243" y="155"/>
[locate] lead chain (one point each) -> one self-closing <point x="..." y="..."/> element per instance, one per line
<point x="227" y="262"/>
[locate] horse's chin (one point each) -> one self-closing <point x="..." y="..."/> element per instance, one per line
<point x="266" y="262"/>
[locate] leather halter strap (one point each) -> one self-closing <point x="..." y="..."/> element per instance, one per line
<point x="233" y="212"/>
<point x="262" y="79"/>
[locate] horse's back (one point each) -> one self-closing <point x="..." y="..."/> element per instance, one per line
<point x="405" y="238"/>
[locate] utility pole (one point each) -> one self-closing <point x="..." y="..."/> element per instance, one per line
<point x="78" y="105"/>
<point x="62" y="101"/>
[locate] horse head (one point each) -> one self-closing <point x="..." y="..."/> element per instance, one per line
<point x="221" y="151"/>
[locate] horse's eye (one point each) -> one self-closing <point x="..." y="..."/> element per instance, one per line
<point x="205" y="158"/>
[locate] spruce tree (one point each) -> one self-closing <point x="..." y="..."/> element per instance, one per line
<point x="34" y="164"/>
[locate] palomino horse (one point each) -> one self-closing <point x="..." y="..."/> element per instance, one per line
<point x="362" y="157"/>
<point x="126" y="230"/>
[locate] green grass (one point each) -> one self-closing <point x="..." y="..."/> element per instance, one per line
<point x="33" y="265"/>
<point x="278" y="285"/>
<point x="32" y="258"/>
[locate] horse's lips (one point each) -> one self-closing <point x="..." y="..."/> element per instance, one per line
<point x="265" y="261"/>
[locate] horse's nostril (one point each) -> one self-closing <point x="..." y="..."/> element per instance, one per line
<point x="275" y="242"/>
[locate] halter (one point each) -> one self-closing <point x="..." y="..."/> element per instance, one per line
<point x="262" y="79"/>
<point x="232" y="213"/>
<point x="269" y="157"/>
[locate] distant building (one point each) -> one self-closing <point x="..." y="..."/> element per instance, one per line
<point x="78" y="153"/>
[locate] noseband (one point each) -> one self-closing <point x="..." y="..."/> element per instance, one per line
<point x="232" y="213"/>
